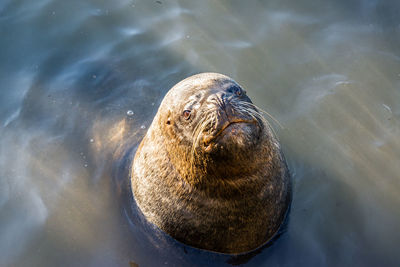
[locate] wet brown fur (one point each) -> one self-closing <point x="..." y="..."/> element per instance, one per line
<point x="230" y="200"/>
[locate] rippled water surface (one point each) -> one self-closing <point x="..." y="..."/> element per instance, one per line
<point x="70" y="71"/>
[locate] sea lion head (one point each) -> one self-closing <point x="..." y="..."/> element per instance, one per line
<point x="210" y="124"/>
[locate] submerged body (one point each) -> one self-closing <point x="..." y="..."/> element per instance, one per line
<point x="209" y="171"/>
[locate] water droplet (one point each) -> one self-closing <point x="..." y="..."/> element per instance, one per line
<point x="94" y="76"/>
<point x="91" y="140"/>
<point x="142" y="127"/>
<point x="85" y="165"/>
<point x="129" y="113"/>
<point x="152" y="104"/>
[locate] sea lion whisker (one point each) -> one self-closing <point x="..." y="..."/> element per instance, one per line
<point x="197" y="133"/>
<point x="194" y="159"/>
<point x="249" y="109"/>
<point x="263" y="111"/>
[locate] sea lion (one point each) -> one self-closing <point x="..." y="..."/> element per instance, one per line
<point x="209" y="171"/>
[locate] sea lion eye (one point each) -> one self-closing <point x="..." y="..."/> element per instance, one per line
<point x="186" y="114"/>
<point x="238" y="92"/>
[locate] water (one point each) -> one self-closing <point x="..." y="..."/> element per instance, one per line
<point x="76" y="76"/>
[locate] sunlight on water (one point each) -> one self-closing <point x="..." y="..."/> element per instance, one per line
<point x="81" y="82"/>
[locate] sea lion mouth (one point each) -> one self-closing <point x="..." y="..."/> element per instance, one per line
<point x="211" y="139"/>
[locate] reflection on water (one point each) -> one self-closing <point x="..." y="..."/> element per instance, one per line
<point x="70" y="71"/>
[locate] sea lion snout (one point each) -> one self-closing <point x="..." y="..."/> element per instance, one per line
<point x="228" y="110"/>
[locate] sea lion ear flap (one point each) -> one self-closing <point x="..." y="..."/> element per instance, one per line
<point x="166" y="123"/>
<point x="168" y="118"/>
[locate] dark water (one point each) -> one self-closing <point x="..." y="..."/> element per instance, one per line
<point x="70" y="71"/>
